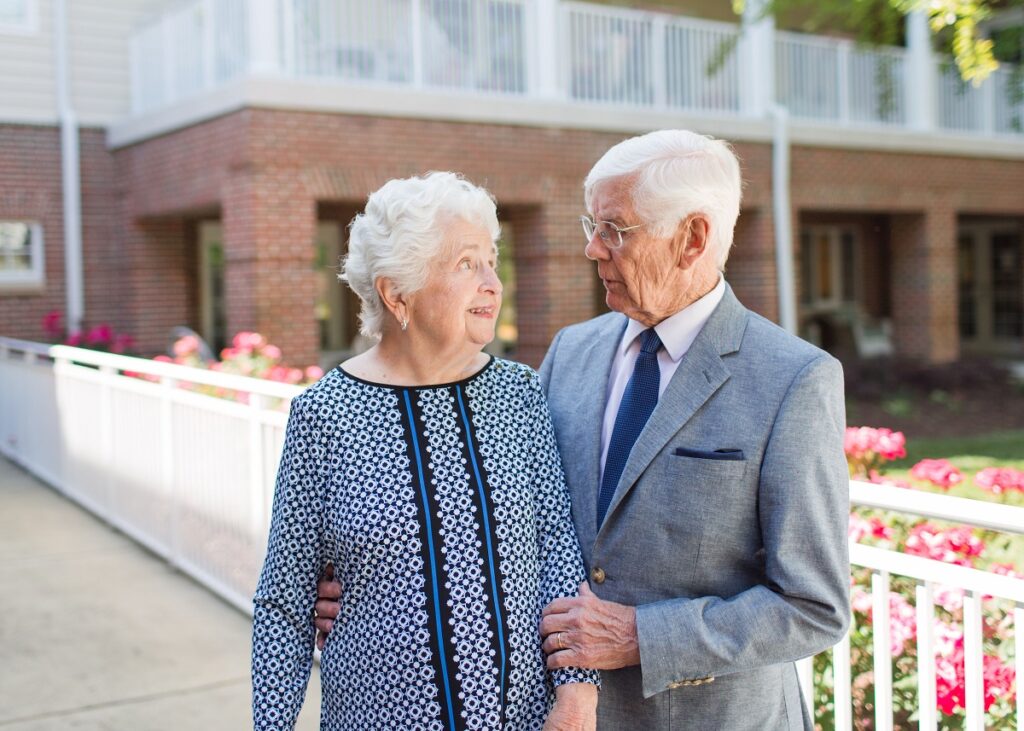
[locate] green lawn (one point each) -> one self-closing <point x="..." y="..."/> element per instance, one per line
<point x="969" y="455"/>
<point x="1000" y="449"/>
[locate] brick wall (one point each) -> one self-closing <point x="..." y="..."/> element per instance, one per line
<point x="266" y="172"/>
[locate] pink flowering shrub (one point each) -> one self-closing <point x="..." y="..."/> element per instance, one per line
<point x="868" y="448"/>
<point x="249" y="355"/>
<point x="100" y="337"/>
<point x="939" y="472"/>
<point x="1000" y="480"/>
<point x="868" y="452"/>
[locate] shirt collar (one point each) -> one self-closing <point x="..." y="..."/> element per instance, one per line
<point x="678" y="332"/>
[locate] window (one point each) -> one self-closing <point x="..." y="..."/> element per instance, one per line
<point x="829" y="267"/>
<point x="18" y="16"/>
<point x="21" y="254"/>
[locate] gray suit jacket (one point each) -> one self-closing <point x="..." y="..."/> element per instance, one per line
<point x="728" y="526"/>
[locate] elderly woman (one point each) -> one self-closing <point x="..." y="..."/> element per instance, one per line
<point x="426" y="473"/>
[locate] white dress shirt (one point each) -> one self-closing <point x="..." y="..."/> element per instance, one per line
<point x="677" y="334"/>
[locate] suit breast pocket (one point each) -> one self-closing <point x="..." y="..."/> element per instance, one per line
<point x="685" y="500"/>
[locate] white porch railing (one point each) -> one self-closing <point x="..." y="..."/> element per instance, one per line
<point x="551" y="49"/>
<point x="191" y="477"/>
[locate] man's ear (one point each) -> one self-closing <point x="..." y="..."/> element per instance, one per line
<point x="691" y="239"/>
<point x="392" y="298"/>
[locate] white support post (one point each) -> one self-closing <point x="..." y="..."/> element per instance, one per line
<point x="841" y="683"/>
<point x="258" y="504"/>
<point x="166" y="433"/>
<point x="209" y="45"/>
<point x="882" y="650"/>
<point x="805" y="674"/>
<point x="843" y="81"/>
<point x="783" y="219"/>
<point x="264" y="58"/>
<point x="926" y="699"/>
<point x="987" y="92"/>
<point x="974" y="693"/>
<point x="545" y="58"/>
<point x="1018" y="631"/>
<point x="416" y="18"/>
<point x="757" y="60"/>
<point x="659" y="70"/>
<point x="921" y="79"/>
<point x="108" y="442"/>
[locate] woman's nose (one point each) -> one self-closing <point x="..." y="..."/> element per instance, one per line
<point x="491" y="283"/>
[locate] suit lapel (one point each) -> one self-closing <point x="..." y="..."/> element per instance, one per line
<point x="583" y="468"/>
<point x="700" y="374"/>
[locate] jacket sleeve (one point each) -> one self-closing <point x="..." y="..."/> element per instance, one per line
<point x="549" y="362"/>
<point x="802" y="605"/>
<point x="283" y="632"/>
<point x="558" y="550"/>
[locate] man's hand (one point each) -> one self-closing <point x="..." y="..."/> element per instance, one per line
<point x="588" y="632"/>
<point x="575" y="708"/>
<point x="328" y="605"/>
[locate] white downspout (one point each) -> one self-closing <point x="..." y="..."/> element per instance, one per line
<point x="782" y="214"/>
<point x="70" y="173"/>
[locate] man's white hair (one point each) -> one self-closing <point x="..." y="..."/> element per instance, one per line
<point x="678" y="173"/>
<point x="402" y="230"/>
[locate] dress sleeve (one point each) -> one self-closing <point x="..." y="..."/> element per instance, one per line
<point x="561" y="564"/>
<point x="283" y="632"/>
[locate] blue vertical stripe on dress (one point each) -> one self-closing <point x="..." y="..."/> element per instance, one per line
<point x="487" y="533"/>
<point x="433" y="562"/>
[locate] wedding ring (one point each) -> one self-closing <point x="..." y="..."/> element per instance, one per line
<point x="561" y="645"/>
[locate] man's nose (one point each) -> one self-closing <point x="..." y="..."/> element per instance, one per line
<point x="596" y="250"/>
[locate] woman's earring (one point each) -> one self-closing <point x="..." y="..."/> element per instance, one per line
<point x="405" y="323"/>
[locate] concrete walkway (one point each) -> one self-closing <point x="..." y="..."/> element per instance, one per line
<point x="98" y="633"/>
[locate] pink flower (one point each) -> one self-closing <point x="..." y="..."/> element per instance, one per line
<point x="74" y="339"/>
<point x="997" y="678"/>
<point x="956" y="545"/>
<point x="163" y="359"/>
<point x="864" y="441"/>
<point x="876" y="478"/>
<point x="860" y="600"/>
<point x="271" y="351"/>
<point x="294" y="375"/>
<point x="939" y="472"/>
<point x="186" y="346"/>
<point x="122" y="343"/>
<point x="874" y="527"/>
<point x="1006" y="569"/>
<point x="998" y="480"/>
<point x="52" y="323"/>
<point x="100" y="334"/>
<point x="248" y="341"/>
<point x="314" y="373"/>
<point x="229" y="353"/>
<point x="949" y="598"/>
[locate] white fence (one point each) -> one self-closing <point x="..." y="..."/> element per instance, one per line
<point x="191" y="477"/>
<point x="598" y="54"/>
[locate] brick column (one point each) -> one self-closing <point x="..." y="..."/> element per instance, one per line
<point x="924" y="296"/>
<point x="555" y="280"/>
<point x="751" y="266"/>
<point x="269" y="222"/>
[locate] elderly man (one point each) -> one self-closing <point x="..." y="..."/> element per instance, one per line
<point x="702" y="447"/>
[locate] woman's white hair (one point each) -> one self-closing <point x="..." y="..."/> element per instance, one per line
<point x="401" y="231"/>
<point x="678" y="173"/>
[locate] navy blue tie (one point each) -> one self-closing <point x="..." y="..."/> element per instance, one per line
<point x="638" y="401"/>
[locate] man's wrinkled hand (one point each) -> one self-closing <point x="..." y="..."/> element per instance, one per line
<point x="328" y="605"/>
<point x="588" y="632"/>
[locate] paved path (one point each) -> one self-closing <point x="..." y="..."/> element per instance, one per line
<point x="98" y="633"/>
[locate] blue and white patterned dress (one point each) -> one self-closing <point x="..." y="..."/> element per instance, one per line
<point x="445" y="513"/>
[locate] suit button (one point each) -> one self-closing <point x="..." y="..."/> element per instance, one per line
<point x="597" y="575"/>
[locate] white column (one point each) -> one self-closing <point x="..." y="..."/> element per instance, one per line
<point x="757" y="59"/>
<point x="262" y="19"/>
<point x="920" y="73"/>
<point x="547" y="62"/>
<point x="782" y="215"/>
<point x="70" y="171"/>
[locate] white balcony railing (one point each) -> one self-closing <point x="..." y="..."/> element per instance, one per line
<point x="622" y="57"/>
<point x="191" y="477"/>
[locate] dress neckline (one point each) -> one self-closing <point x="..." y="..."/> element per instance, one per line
<point x="421" y="387"/>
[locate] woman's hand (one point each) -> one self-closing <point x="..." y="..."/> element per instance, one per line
<point x="575" y="708"/>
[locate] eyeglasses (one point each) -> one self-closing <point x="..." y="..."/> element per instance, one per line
<point x="610" y="234"/>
